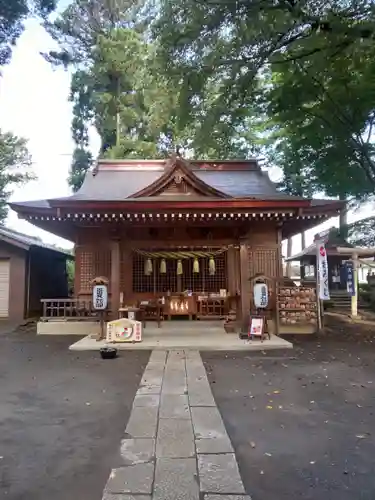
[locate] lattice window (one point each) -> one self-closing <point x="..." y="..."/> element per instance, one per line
<point x="157" y="282"/>
<point x="102" y="263"/>
<point x="85" y="259"/>
<point x="203" y="281"/>
<point x="265" y="261"/>
<point x="93" y="263"/>
<point x="170" y="281"/>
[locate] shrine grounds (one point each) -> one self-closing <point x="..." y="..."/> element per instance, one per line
<point x="302" y="422"/>
<point x="62" y="415"/>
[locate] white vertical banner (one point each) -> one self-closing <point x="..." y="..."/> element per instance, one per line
<point x="322" y="271"/>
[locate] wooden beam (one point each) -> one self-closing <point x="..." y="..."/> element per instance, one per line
<point x="245" y="295"/>
<point x="115" y="277"/>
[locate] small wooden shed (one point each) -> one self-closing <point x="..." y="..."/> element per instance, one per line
<point x="29" y="270"/>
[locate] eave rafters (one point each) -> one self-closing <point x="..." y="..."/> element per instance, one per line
<point x="175" y="217"/>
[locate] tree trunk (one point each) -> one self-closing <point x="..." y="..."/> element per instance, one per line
<point x="343" y="220"/>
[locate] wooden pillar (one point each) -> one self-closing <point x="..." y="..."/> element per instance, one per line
<point x="354" y="304"/>
<point x="245" y="295"/>
<point x="115" y="278"/>
<point x="127" y="272"/>
<point x="231" y="282"/>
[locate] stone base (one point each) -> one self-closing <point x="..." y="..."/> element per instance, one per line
<point x="81" y="328"/>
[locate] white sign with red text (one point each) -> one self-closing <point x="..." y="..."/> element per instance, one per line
<point x="124" y="330"/>
<point x="322" y="274"/>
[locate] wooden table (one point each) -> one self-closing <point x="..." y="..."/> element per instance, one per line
<point x="123" y="312"/>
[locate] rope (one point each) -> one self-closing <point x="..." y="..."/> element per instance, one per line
<point x="179" y="255"/>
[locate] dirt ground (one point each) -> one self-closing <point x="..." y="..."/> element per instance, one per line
<point x="62" y="415"/>
<point x="302" y="422"/>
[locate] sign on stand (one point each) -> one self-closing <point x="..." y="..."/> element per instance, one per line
<point x="100" y="304"/>
<point x="322" y="263"/>
<point x="260" y="294"/>
<point x="350" y="281"/>
<point x="100" y="297"/>
<point x="124" y="330"/>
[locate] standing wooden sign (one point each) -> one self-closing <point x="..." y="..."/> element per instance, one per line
<point x="100" y="302"/>
<point x="100" y="297"/>
<point x="256" y="327"/>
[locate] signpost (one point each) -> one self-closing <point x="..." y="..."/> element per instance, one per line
<point x="350" y="278"/>
<point x="322" y="282"/>
<point x="260" y="294"/>
<point x="322" y="271"/>
<point x="100" y="302"/>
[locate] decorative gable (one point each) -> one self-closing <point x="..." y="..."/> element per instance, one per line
<point x="179" y="179"/>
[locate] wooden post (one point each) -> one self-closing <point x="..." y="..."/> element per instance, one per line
<point x="231" y="271"/>
<point x="245" y="296"/>
<point x="354" y="301"/>
<point x="115" y="278"/>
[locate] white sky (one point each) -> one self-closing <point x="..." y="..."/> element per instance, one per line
<point x="34" y="104"/>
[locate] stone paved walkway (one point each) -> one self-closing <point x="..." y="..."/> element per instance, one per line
<point x="175" y="445"/>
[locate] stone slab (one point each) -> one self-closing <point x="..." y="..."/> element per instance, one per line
<point x="149" y="389"/>
<point x="153" y="377"/>
<point x="174" y="388"/>
<point x="207" y="423"/>
<point x="157" y="357"/>
<point x="201" y="397"/>
<point x="176" y="479"/>
<point x="214" y="445"/>
<point x="227" y="497"/>
<point x="175" y="439"/>
<point x="145" y="400"/>
<point x="137" y="451"/>
<point x="116" y="496"/>
<point x="174" y="406"/>
<point x="219" y="474"/>
<point x="142" y="422"/>
<point x="133" y="479"/>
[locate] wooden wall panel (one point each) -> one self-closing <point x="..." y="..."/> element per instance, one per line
<point x="90" y="263"/>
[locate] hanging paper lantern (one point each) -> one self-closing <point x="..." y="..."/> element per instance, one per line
<point x="163" y="266"/>
<point x="148" y="267"/>
<point x="211" y="266"/>
<point x="196" y="265"/>
<point x="179" y="267"/>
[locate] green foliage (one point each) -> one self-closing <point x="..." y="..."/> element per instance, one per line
<point x="82" y="161"/>
<point x="13" y="13"/>
<point x="14" y="168"/>
<point x="307" y="66"/>
<point x="119" y="87"/>
<point x="70" y="272"/>
<point x="362" y="232"/>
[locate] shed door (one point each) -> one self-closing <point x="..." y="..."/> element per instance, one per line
<point x="4" y="288"/>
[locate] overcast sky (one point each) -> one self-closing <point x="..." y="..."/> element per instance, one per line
<point x="34" y="104"/>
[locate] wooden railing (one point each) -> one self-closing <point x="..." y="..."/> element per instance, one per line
<point x="68" y="309"/>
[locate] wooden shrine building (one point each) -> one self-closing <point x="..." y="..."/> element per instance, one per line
<point x="159" y="228"/>
<point x="336" y="260"/>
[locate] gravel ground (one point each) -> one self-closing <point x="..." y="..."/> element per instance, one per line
<point x="302" y="422"/>
<point x="62" y="415"/>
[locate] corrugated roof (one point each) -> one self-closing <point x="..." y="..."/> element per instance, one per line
<point x="29" y="241"/>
